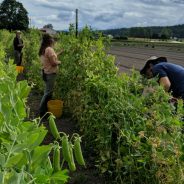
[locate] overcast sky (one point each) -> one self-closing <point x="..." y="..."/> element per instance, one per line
<point x="105" y="14"/>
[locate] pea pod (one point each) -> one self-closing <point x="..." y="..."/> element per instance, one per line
<point x="78" y="151"/>
<point x="53" y="127"/>
<point x="71" y="164"/>
<point x="66" y="149"/>
<point x="56" y="159"/>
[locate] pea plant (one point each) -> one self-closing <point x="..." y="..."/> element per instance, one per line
<point x="136" y="136"/>
<point x="23" y="156"/>
<point x="32" y="64"/>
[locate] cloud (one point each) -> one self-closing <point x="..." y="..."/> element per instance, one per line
<point x="66" y="15"/>
<point x="55" y="5"/>
<point x="108" y="17"/>
<point x="178" y="1"/>
<point x="105" y="14"/>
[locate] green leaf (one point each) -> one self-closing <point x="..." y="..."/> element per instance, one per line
<point x="2" y="159"/>
<point x="19" y="147"/>
<point x="22" y="137"/>
<point x="12" y="161"/>
<point x="39" y="155"/>
<point x="20" y="109"/>
<point x="23" y="161"/>
<point x="42" y="179"/>
<point x="13" y="178"/>
<point x="1" y="119"/>
<point x="35" y="139"/>
<point x="24" y="89"/>
<point x="61" y="176"/>
<point x="27" y="126"/>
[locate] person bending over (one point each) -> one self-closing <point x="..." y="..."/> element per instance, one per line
<point x="171" y="76"/>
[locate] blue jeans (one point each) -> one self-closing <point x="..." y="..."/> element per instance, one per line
<point x="49" y="87"/>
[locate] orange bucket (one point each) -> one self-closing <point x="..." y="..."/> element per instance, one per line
<point x="55" y="107"/>
<point x="19" y="69"/>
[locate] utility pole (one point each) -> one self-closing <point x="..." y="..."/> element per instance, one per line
<point x="76" y="21"/>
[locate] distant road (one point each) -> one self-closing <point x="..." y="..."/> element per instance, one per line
<point x="129" y="57"/>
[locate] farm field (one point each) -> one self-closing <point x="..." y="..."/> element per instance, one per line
<point x="129" y="57"/>
<point x="127" y="137"/>
<point x="74" y="108"/>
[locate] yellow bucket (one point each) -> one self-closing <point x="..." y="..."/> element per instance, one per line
<point x="19" y="69"/>
<point x="55" y="107"/>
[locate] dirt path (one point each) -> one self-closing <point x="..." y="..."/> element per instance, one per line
<point x="88" y="175"/>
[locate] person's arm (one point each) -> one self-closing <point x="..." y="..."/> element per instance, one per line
<point x="165" y="82"/>
<point x="21" y="44"/>
<point x="53" y="60"/>
<point x="60" y="52"/>
<point x="161" y="72"/>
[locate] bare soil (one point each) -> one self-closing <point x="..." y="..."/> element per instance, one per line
<point x="128" y="57"/>
<point x="88" y="175"/>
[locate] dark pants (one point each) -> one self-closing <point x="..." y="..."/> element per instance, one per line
<point x="17" y="57"/>
<point x="49" y="87"/>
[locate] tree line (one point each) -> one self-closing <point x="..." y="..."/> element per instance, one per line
<point x="13" y="16"/>
<point x="154" y="32"/>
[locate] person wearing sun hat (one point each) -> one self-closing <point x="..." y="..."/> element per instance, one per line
<point x="171" y="76"/>
<point x="18" y="45"/>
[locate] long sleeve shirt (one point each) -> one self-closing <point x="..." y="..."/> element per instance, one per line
<point x="49" y="61"/>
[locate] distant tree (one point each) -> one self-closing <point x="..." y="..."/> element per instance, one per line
<point x="166" y="33"/>
<point x="71" y="29"/>
<point x="137" y="32"/>
<point x="50" y="26"/>
<point x="155" y="36"/>
<point x="148" y="32"/>
<point x="13" y="16"/>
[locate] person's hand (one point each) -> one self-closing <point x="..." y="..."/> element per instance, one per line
<point x="173" y="100"/>
<point x="59" y="62"/>
<point x="60" y="52"/>
<point x="20" y="45"/>
<point x="148" y="90"/>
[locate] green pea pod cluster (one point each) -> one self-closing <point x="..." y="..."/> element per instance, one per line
<point x="67" y="151"/>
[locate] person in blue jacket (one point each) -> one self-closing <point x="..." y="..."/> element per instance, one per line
<point x="170" y="76"/>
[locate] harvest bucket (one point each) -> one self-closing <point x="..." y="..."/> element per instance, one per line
<point x="55" y="107"/>
<point x="19" y="69"/>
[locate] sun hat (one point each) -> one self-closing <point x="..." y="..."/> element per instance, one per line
<point x="18" y="32"/>
<point x="152" y="60"/>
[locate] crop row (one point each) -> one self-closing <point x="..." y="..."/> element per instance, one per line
<point x="136" y="138"/>
<point x="23" y="156"/>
